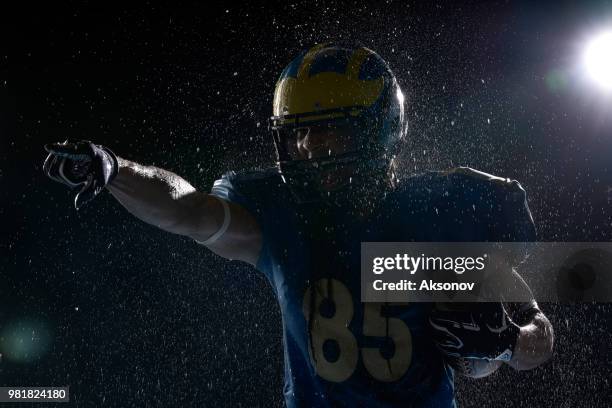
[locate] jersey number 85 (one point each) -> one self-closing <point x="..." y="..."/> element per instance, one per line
<point x="333" y="325"/>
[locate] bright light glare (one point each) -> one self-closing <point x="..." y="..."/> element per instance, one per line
<point x="598" y="59"/>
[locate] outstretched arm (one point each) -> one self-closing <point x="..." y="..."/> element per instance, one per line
<point x="166" y="200"/>
<point x="162" y="198"/>
<point x="156" y="196"/>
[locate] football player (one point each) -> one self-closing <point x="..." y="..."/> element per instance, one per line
<point x="338" y="121"/>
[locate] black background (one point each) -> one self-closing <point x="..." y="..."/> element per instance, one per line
<point x="134" y="316"/>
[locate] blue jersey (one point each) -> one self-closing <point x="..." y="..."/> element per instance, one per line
<point x="338" y="350"/>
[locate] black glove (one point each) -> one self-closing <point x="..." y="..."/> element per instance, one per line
<point x="480" y="330"/>
<point x="81" y="164"/>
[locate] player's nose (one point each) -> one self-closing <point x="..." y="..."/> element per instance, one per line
<point x="312" y="143"/>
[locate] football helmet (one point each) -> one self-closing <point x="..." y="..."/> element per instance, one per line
<point x="346" y="90"/>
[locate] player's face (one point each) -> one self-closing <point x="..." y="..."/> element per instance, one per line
<point x="320" y="142"/>
<point x="326" y="142"/>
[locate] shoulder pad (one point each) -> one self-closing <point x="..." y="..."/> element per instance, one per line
<point x="259" y="185"/>
<point x="499" y="202"/>
<point x="269" y="173"/>
<point x="249" y="176"/>
<point x="477" y="177"/>
<point x="465" y="176"/>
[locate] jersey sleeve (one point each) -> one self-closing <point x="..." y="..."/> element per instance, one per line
<point x="226" y="189"/>
<point x="250" y="191"/>
<point x="522" y="312"/>
<point x="511" y="220"/>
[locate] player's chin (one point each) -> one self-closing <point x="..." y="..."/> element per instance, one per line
<point x="473" y="367"/>
<point x="334" y="183"/>
<point x="337" y="179"/>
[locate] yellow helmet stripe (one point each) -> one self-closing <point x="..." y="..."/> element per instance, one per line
<point x="307" y="61"/>
<point x="328" y="89"/>
<point x="354" y="65"/>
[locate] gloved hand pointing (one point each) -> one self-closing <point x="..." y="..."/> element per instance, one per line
<point x="81" y="164"/>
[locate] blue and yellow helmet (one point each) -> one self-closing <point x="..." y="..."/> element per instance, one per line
<point x="337" y="85"/>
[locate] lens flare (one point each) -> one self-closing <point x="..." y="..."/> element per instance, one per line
<point x="25" y="340"/>
<point x="598" y="60"/>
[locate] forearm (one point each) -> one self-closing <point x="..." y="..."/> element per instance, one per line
<point x="156" y="196"/>
<point x="534" y="345"/>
